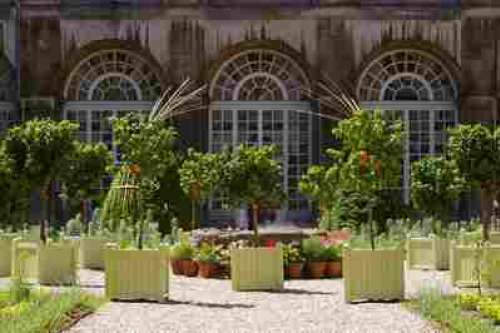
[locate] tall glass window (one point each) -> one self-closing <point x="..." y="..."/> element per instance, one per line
<point x="418" y="89"/>
<point x="257" y="99"/>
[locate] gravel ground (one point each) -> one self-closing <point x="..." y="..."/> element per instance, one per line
<point x="199" y="305"/>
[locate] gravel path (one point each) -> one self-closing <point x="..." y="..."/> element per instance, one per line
<point x="199" y="305"/>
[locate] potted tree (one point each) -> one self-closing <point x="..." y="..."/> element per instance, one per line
<point x="314" y="252"/>
<point x="81" y="180"/>
<point x="435" y="184"/>
<point x="368" y="162"/>
<point x="251" y="176"/>
<point x="476" y="151"/>
<point x="133" y="270"/>
<point x="208" y="260"/>
<point x="42" y="150"/>
<point x="293" y="261"/>
<point x="199" y="176"/>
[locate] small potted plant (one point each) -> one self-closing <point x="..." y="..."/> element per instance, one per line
<point x="293" y="261"/>
<point x="208" y="260"/>
<point x="314" y="252"/>
<point x="182" y="257"/>
<point x="333" y="257"/>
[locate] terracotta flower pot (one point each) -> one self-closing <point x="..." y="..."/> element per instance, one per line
<point x="190" y="267"/>
<point x="316" y="269"/>
<point x="177" y="268"/>
<point x="295" y="270"/>
<point x="207" y="269"/>
<point x="333" y="269"/>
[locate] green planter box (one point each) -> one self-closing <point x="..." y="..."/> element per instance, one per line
<point x="428" y="253"/>
<point x="257" y="268"/>
<point x="373" y="275"/>
<point x="92" y="252"/>
<point x="6" y="249"/>
<point x="25" y="258"/>
<point x="463" y="265"/>
<point x="57" y="263"/>
<point x="137" y="274"/>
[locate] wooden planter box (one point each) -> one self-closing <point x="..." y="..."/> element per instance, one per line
<point x="25" y="258"/>
<point x="463" y="265"/>
<point x="92" y="252"/>
<point x="57" y="263"/>
<point x="373" y="275"/>
<point x="6" y="249"/>
<point x="428" y="253"/>
<point x="495" y="237"/>
<point x="257" y="268"/>
<point x="137" y="274"/>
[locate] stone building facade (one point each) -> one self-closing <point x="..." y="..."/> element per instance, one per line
<point x="434" y="63"/>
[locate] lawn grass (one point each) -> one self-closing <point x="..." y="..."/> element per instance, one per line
<point x="45" y="312"/>
<point x="446" y="313"/>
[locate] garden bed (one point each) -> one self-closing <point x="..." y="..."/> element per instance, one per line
<point x="45" y="312"/>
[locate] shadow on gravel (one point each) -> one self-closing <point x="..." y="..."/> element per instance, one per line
<point x="299" y="292"/>
<point x="210" y="305"/>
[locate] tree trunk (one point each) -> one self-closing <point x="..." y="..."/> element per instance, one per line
<point x="487" y="196"/>
<point x="372" y="236"/>
<point x="193" y="214"/>
<point x="255" y="221"/>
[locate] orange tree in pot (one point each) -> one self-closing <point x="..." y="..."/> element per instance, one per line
<point x="314" y="252"/>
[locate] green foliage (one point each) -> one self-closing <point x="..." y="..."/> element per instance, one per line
<point x="14" y="198"/>
<point x="199" y="175"/>
<point x="86" y="168"/>
<point x="370" y="157"/>
<point x="291" y="254"/>
<point x="321" y="184"/>
<point x="365" y="166"/>
<point x="123" y="200"/>
<point x="45" y="312"/>
<point x="208" y="253"/>
<point x="251" y="176"/>
<point x="184" y="249"/>
<point x="447" y="313"/>
<point x="41" y="151"/>
<point x="313" y="249"/>
<point x="435" y="184"/>
<point x="476" y="150"/>
<point x="332" y="253"/>
<point x="147" y="144"/>
<point x="149" y="148"/>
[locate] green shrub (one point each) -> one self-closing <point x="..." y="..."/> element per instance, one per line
<point x="291" y="254"/>
<point x="313" y="249"/>
<point x="182" y="250"/>
<point x="447" y="312"/>
<point x="208" y="253"/>
<point x="332" y="253"/>
<point x="468" y="301"/>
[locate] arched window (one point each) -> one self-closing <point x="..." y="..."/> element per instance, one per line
<point x="257" y="99"/>
<point x="107" y="84"/>
<point x="417" y="88"/>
